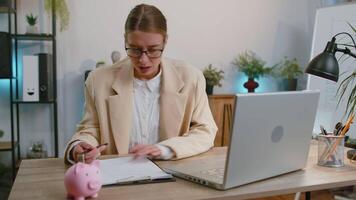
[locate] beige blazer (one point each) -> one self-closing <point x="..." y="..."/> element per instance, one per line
<point x="186" y="122"/>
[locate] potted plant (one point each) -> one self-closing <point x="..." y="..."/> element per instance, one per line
<point x="37" y="150"/>
<point x="61" y="12"/>
<point x="289" y="71"/>
<point x="32" y="21"/>
<point x="253" y="67"/>
<point x="348" y="83"/>
<point x="213" y="76"/>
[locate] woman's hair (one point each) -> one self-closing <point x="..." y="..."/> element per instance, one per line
<point x="146" y="18"/>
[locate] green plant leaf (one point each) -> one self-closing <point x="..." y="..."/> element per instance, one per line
<point x="212" y="75"/>
<point x="354" y="29"/>
<point x="349" y="81"/>
<point x="62" y="12"/>
<point x="251" y="65"/>
<point x="31" y="19"/>
<point x="288" y="69"/>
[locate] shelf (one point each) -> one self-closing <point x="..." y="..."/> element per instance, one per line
<point x="36" y="37"/>
<point x="6" y="78"/>
<point x="19" y="42"/>
<point x="6" y="146"/>
<point x="32" y="102"/>
<point x="5" y="10"/>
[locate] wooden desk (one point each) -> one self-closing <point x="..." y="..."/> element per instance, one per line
<point x="43" y="179"/>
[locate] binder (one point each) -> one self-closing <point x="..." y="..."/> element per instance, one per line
<point x="30" y="81"/>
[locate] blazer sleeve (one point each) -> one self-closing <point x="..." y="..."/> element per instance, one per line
<point x="202" y="130"/>
<point x="88" y="128"/>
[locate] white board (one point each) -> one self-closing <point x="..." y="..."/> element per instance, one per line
<point x="328" y="22"/>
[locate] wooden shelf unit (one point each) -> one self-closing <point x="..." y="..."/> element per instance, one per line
<point x="222" y="107"/>
<point x="6" y="145"/>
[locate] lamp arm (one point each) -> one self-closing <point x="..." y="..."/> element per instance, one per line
<point x="352" y="54"/>
<point x="347" y="51"/>
<point x="345" y="33"/>
<point x="346" y="45"/>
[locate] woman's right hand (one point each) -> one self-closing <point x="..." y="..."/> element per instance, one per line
<point x="91" y="153"/>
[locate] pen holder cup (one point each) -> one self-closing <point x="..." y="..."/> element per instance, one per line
<point x="331" y="150"/>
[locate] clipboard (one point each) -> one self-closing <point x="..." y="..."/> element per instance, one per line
<point x="129" y="170"/>
<point x="144" y="181"/>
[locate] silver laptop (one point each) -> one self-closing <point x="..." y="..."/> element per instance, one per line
<point x="270" y="136"/>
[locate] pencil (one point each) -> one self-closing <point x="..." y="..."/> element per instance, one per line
<point x="343" y="132"/>
<point x="348" y="124"/>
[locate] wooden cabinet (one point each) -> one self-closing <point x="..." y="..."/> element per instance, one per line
<point x="222" y="108"/>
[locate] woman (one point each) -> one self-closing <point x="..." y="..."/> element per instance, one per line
<point x="145" y="104"/>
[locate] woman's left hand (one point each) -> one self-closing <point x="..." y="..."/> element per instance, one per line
<point x="151" y="151"/>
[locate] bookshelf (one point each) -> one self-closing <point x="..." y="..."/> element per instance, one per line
<point x="15" y="101"/>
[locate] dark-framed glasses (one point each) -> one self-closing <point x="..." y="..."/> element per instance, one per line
<point x="137" y="53"/>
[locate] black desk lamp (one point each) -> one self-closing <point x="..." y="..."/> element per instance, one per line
<point x="325" y="65"/>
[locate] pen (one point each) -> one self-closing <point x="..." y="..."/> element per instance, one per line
<point x="100" y="145"/>
<point x="82" y="155"/>
<point x="338" y="128"/>
<point x="323" y="131"/>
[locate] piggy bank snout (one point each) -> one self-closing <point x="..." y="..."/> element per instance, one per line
<point x="94" y="185"/>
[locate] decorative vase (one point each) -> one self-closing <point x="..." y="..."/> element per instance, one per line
<point x="209" y="89"/>
<point x="289" y="84"/>
<point x="251" y="85"/>
<point x="37" y="150"/>
<point x="31" y="30"/>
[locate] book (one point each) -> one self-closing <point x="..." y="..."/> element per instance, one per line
<point x="130" y="170"/>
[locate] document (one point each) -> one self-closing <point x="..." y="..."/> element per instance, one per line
<point x="130" y="170"/>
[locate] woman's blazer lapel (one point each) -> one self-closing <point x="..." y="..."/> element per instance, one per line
<point x="120" y="108"/>
<point x="172" y="101"/>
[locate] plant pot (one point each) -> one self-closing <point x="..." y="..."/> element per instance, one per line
<point x="289" y="84"/>
<point x="37" y="150"/>
<point x="36" y="155"/>
<point x="31" y="30"/>
<point x="209" y="89"/>
<point x="251" y="85"/>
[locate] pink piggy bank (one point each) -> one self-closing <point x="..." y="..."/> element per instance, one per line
<point x="83" y="180"/>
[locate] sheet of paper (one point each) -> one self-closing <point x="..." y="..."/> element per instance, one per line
<point x="127" y="169"/>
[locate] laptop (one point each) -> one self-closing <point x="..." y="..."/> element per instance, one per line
<point x="270" y="136"/>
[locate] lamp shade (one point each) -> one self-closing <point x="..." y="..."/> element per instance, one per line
<point x="325" y="64"/>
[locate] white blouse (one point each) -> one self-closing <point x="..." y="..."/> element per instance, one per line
<point x="145" y="129"/>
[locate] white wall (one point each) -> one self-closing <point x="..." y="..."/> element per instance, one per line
<point x="200" y="32"/>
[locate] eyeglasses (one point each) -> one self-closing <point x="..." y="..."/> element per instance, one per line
<point x="137" y="53"/>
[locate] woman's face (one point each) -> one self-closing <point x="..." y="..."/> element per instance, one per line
<point x="145" y="51"/>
